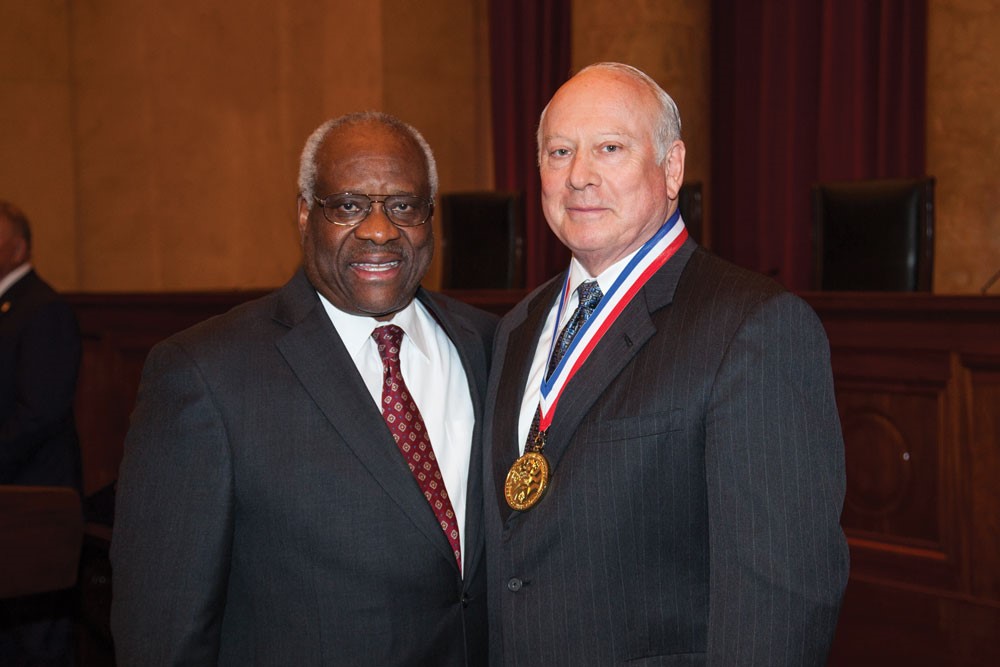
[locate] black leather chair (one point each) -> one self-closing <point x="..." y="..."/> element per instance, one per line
<point x="875" y="235"/>
<point x="482" y="240"/>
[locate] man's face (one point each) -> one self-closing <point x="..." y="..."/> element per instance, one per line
<point x="602" y="192"/>
<point x="13" y="250"/>
<point x="375" y="267"/>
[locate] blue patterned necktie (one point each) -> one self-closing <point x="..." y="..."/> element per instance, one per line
<point x="590" y="295"/>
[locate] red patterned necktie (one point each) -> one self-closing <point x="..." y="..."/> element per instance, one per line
<point x="407" y="427"/>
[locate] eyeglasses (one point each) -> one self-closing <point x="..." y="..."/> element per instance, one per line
<point x="348" y="209"/>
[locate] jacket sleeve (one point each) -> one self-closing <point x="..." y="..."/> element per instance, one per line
<point x="45" y="374"/>
<point x="171" y="547"/>
<point x="776" y="481"/>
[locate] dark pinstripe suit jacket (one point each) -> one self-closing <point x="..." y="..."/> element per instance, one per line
<point x="698" y="479"/>
<point x="265" y="515"/>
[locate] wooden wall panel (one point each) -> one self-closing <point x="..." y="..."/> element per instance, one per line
<point x="118" y="331"/>
<point x="984" y="478"/>
<point x="918" y="387"/>
<point x="900" y="512"/>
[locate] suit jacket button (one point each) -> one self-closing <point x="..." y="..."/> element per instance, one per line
<point x="514" y="585"/>
<point x="465" y="600"/>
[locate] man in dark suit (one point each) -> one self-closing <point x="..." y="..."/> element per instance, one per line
<point x="266" y="514"/>
<point x="668" y="490"/>
<point x="39" y="363"/>
<point x="40" y="358"/>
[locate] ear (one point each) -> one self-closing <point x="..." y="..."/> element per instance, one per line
<point x="21" y="254"/>
<point x="673" y="168"/>
<point x="303" y="210"/>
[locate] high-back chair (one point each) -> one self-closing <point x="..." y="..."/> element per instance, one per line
<point x="874" y="235"/>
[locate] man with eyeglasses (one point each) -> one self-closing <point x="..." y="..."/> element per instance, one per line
<point x="295" y="488"/>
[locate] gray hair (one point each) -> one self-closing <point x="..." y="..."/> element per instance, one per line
<point x="668" y="127"/>
<point x="308" y="169"/>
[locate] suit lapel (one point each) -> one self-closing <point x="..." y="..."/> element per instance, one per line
<point x="622" y="342"/>
<point x="526" y="322"/>
<point x="315" y="353"/>
<point x="615" y="350"/>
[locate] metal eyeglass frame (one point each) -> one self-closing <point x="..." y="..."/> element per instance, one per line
<point x="371" y="202"/>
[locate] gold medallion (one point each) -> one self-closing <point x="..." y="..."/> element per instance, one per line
<point x="526" y="482"/>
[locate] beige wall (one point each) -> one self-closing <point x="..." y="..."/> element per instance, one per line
<point x="155" y="144"/>
<point x="670" y="42"/>
<point x="37" y="160"/>
<point x="963" y="141"/>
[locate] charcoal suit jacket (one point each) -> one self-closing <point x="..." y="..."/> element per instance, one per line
<point x="265" y="516"/>
<point x="697" y="483"/>
<point x="39" y="365"/>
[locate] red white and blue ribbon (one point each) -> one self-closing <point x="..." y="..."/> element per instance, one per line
<point x="653" y="254"/>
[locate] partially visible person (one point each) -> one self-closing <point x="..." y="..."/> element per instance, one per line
<point x="301" y="476"/>
<point x="39" y="363"/>
<point x="664" y="461"/>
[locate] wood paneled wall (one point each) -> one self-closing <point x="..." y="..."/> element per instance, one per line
<point x="918" y="388"/>
<point x="118" y="331"/>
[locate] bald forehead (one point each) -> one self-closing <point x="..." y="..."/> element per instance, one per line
<point x="602" y="94"/>
<point x="610" y="78"/>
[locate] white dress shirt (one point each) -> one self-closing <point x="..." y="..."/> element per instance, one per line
<point x="533" y="390"/>
<point x="434" y="374"/>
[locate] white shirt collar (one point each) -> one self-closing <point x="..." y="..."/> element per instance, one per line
<point x="12" y="277"/>
<point x="578" y="274"/>
<point x="356" y="330"/>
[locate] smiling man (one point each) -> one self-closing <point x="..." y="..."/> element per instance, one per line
<point x="664" y="463"/>
<point x="296" y="487"/>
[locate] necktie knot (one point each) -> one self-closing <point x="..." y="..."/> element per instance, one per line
<point x="590" y="294"/>
<point x="389" y="339"/>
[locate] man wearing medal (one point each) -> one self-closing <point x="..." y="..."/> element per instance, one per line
<point x="301" y="477"/>
<point x="664" y="463"/>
